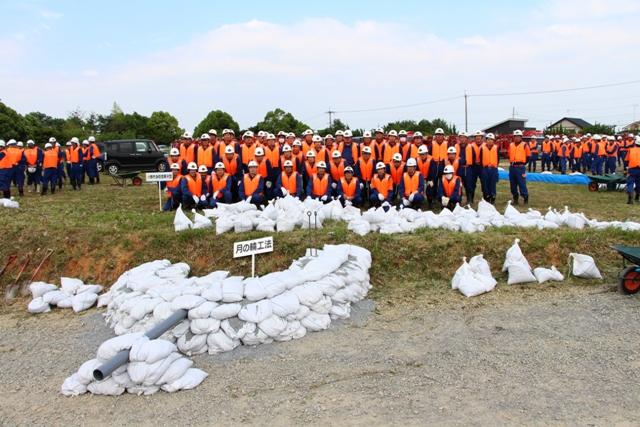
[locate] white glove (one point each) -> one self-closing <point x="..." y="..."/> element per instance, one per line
<point x="406" y="202"/>
<point x="323" y="198"/>
<point x="284" y="191"/>
<point x="430" y="184"/>
<point x="203" y="198"/>
<point x="215" y="194"/>
<point x="249" y="199"/>
<point x="334" y="185"/>
<point x="268" y="184"/>
<point x="195" y="199"/>
<point x="445" y="200"/>
<point x="411" y="197"/>
<point x="361" y="186"/>
<point x="380" y="197"/>
<point x="386" y="205"/>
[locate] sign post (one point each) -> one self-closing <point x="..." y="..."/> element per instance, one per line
<point x="159" y="177"/>
<point x="253" y="247"/>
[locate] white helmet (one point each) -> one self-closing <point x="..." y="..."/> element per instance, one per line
<point x="260" y="134"/>
<point x="213" y="132"/>
<point x="288" y="164"/>
<point x="75" y="140"/>
<point x="11" y="142"/>
<point x="252" y="164"/>
<point x="423" y="149"/>
<point x="174" y="152"/>
<point x="448" y="170"/>
<point x="611" y="138"/>
<point x="20" y="144"/>
<point x="348" y="133"/>
<point x="340" y="132"/>
<point x="68" y="143"/>
<point x="638" y="140"/>
<point x="52" y="140"/>
<point x="271" y="136"/>
<point x="297" y="142"/>
<point x="316" y="138"/>
<point x="379" y="130"/>
<point x="307" y="132"/>
<point x="321" y="165"/>
<point x="92" y="138"/>
<point x="259" y="151"/>
<point x="393" y="132"/>
<point x="397" y="157"/>
<point x="479" y="133"/>
<point x="247" y="134"/>
<point x="366" y="134"/>
<point x="2" y="143"/>
<point x="380" y="165"/>
<point x="311" y="153"/>
<point x="411" y="162"/>
<point x="175" y="166"/>
<point x="417" y="134"/>
<point x="30" y="142"/>
<point x="186" y="135"/>
<point x="452" y="150"/>
<point x="517" y="132"/>
<point x="229" y="149"/>
<point x="462" y="133"/>
<point x="402" y="133"/>
<point x="597" y="137"/>
<point x="85" y="142"/>
<point x="192" y="166"/>
<point x="366" y="149"/>
<point x="490" y="136"/>
<point x="203" y="168"/>
<point x="336" y="154"/>
<point x="219" y="165"/>
<point x="348" y="169"/>
<point x="48" y="145"/>
<point x="286" y="148"/>
<point x="328" y="136"/>
<point x="439" y="131"/>
<point x="205" y="136"/>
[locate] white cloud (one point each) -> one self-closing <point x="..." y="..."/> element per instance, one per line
<point x="48" y="14"/>
<point x="306" y="67"/>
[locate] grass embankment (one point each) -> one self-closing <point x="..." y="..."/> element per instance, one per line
<point x="101" y="231"/>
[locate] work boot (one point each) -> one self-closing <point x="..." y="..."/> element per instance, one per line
<point x="630" y="200"/>
<point x="44" y="191"/>
<point x="637" y="196"/>
<point x="53" y="189"/>
<point x="526" y="200"/>
<point x="6" y="194"/>
<point x="21" y="192"/>
<point x="515" y="200"/>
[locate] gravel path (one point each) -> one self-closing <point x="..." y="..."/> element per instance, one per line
<point x="519" y="357"/>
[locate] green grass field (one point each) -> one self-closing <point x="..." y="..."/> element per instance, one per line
<point x="101" y="231"/>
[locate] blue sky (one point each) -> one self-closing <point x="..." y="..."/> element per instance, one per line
<point x="249" y="57"/>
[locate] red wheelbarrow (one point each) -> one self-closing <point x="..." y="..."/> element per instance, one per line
<point x="629" y="278"/>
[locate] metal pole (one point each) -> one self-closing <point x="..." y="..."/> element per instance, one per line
<point x="466" y="121"/>
<point x="160" y="196"/>
<point x="253" y="265"/>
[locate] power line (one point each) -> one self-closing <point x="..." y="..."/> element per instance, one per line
<point x="574" y="89"/>
<point x="395" y="107"/>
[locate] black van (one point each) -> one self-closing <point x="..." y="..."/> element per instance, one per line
<point x="132" y="155"/>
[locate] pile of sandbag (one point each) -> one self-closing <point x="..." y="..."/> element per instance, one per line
<point x="474" y="277"/>
<point x="73" y="293"/>
<point x="227" y="311"/>
<point x="153" y="365"/>
<point x="286" y="214"/>
<point x="9" y="203"/>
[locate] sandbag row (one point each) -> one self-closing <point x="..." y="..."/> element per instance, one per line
<point x="73" y="293"/>
<point x="153" y="365"/>
<point x="227" y="311"/>
<point x="288" y="213"/>
<point x="9" y="203"/>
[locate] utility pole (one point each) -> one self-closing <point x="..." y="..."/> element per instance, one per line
<point x="466" y="119"/>
<point x="330" y="113"/>
<point x="513" y="112"/>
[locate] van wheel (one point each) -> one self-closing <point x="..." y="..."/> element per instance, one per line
<point x="113" y="169"/>
<point x="162" y="167"/>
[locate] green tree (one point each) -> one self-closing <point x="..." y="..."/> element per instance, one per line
<point x="40" y="127"/>
<point x="425" y="126"/>
<point x="277" y="120"/>
<point x="337" y="124"/>
<point x="599" y="128"/>
<point x="12" y="124"/>
<point x="163" y="127"/>
<point x="218" y="120"/>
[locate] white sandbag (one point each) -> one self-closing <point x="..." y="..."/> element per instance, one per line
<point x="203" y="311"/>
<point x="108" y="387"/>
<point x="480" y="265"/>
<point x="162" y="311"/>
<point x="469" y="285"/>
<point x="486" y="210"/>
<point x="85" y="372"/>
<point x="175" y="371"/>
<point x="54" y="297"/>
<point x="266" y="224"/>
<point x="284" y="225"/>
<point x="515" y="256"/>
<point x="151" y="351"/>
<point x="285" y="304"/>
<point x="546" y="274"/>
<point x="360" y="226"/>
<point x="186" y="302"/>
<point x="113" y="346"/>
<point x="9" y="203"/>
<point x="242" y="224"/>
<point x="213" y="292"/>
<point x="316" y="322"/>
<point x="196" y="344"/>
<point x="38" y="289"/>
<point x="232" y="289"/>
<point x="200" y="221"/>
<point x="520" y="273"/>
<point x="96" y="289"/>
<point x="157" y="369"/>
<point x="65" y="303"/>
<point x="211" y="278"/>
<point x="584" y="266"/>
<point x="181" y="222"/>
<point x="69" y="285"/>
<point x="225" y="311"/>
<point x="224" y="224"/>
<point x="204" y="326"/>
<point x="307" y="294"/>
<point x="254" y="290"/>
<point x="273" y="326"/>
<point x="139" y="311"/>
<point x="72" y="386"/>
<point x="219" y="342"/>
<point x="191" y="379"/>
<point x="37" y="305"/>
<point x="256" y="312"/>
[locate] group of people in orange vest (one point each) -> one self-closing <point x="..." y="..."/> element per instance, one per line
<point x="597" y="154"/>
<point x="45" y="169"/>
<point x="384" y="169"/>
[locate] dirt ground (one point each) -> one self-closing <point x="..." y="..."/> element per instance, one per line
<point x="558" y="356"/>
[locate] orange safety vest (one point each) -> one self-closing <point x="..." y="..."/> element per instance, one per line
<point x="14" y="154"/>
<point x="262" y="169"/>
<point x="31" y="155"/>
<point x="96" y="150"/>
<point x="231" y="166"/>
<point x="518" y="153"/>
<point x="6" y="162"/>
<point x="85" y="154"/>
<point x="546" y="147"/>
<point x="455" y="164"/>
<point x="73" y="155"/>
<point x="250" y="185"/>
<point x="194" y="185"/>
<point x="396" y="172"/>
<point x="293" y="160"/>
<point x="409" y="151"/>
<point x="382" y="186"/>
<point x="489" y="156"/>
<point x="411" y="183"/>
<point x="337" y="171"/>
<point x="219" y="183"/>
<point x="533" y="147"/>
<point x="321" y="155"/>
<point x="320" y="185"/>
<point x="586" y="148"/>
<point x="633" y="157"/>
<point x="290" y="182"/>
<point x="354" y="151"/>
<point x="473" y="154"/>
<point x="448" y="186"/>
<point x="612" y="149"/>
<point x="174" y="183"/>
<point x="424" y="166"/>
<point x="439" y="151"/>
<point x="188" y="153"/>
<point x="349" y="188"/>
<point x="50" y="159"/>
<point x="248" y="153"/>
<point x="600" y="150"/>
<point x="311" y="170"/>
<point x="366" y="169"/>
<point x="205" y="156"/>
<point x="273" y="155"/>
<point x="388" y="151"/>
<point x="577" y="151"/>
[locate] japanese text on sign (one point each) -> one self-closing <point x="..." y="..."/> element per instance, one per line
<point x="159" y="176"/>
<point x="253" y="247"/>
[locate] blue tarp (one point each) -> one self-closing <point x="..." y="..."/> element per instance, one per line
<point x="550" y="178"/>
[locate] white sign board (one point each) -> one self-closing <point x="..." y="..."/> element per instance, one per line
<point x="159" y="176"/>
<point x="253" y="247"/>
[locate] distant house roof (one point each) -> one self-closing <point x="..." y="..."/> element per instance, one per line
<point x="510" y="119"/>
<point x="576" y="121"/>
<point x="632" y="126"/>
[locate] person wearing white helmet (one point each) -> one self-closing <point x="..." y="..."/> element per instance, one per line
<point x="192" y="188"/>
<point x="251" y="188"/>
<point x="453" y="159"/>
<point x="381" y="192"/>
<point x="389" y="148"/>
<point x="233" y="167"/>
<point x="489" y="157"/>
<point x="173" y="188"/>
<point x="174" y="157"/>
<point x="329" y="142"/>
<point x="368" y="141"/>
<point x="309" y="167"/>
<point x="6" y="170"/>
<point x="213" y="136"/>
<point x="349" y="151"/>
<point x="49" y="167"/>
<point x="378" y="142"/>
<point x="34" y="156"/>
<point x="287" y="154"/>
<point x="450" y="189"/>
<point x="296" y="150"/>
<point x="598" y="155"/>
<point x="219" y="185"/>
<point x="410" y="150"/>
<point x="205" y="153"/>
<point x="319" y="149"/>
<point x="188" y="148"/>
<point x="272" y="151"/>
<point x="633" y="171"/>
<point x="336" y="170"/>
<point x="411" y="188"/>
<point x="339" y="136"/>
<point x="423" y="163"/>
<point x="75" y="163"/>
<point x="96" y="157"/>
<point x="350" y="189"/>
<point x="20" y="168"/>
<point x="467" y="153"/>
<point x="438" y="150"/>
<point x="364" y="170"/>
<point x="546" y="150"/>
<point x="575" y="155"/>
<point x="289" y="182"/>
<point x="532" y="142"/>
<point x="307" y="140"/>
<point x="319" y="186"/>
<point x="266" y="171"/>
<point x="518" y="157"/>
<point x="396" y="169"/>
<point x="563" y="151"/>
<point x="611" y="150"/>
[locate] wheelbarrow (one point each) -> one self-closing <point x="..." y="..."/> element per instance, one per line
<point x="629" y="278"/>
<point x="609" y="181"/>
<point x="121" y="178"/>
